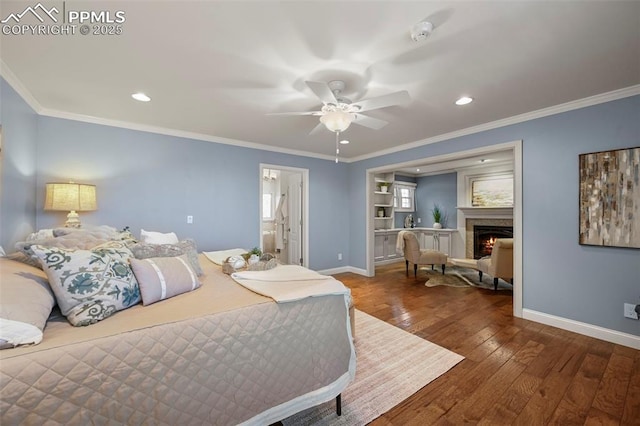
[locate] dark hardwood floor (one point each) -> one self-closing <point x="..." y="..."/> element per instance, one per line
<point x="514" y="372"/>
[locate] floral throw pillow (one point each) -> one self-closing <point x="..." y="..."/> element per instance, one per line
<point x="90" y="285"/>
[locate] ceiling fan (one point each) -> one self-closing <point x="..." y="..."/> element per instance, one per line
<point x="337" y="113"/>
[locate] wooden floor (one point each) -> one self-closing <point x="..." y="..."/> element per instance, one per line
<point x="515" y="371"/>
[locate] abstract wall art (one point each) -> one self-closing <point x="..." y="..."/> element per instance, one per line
<point x="610" y="198"/>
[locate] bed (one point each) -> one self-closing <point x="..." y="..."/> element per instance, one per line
<point x="220" y="354"/>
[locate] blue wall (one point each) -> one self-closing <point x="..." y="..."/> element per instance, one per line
<point x="441" y="190"/>
<point x="18" y="191"/>
<point x="153" y="181"/>
<point x="560" y="277"/>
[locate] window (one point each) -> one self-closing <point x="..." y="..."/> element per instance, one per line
<point x="492" y="191"/>
<point x="267" y="206"/>
<point x="404" y="196"/>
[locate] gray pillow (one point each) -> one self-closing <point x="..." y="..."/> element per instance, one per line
<point x="103" y="232"/>
<point x="21" y="257"/>
<point x="188" y="247"/>
<point x="164" y="277"/>
<point x="71" y="239"/>
<point x="26" y="295"/>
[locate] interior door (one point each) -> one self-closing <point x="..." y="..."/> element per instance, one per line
<point x="294" y="239"/>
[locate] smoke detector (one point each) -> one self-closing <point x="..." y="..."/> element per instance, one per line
<point x="421" y="30"/>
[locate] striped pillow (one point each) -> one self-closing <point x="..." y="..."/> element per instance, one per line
<point x="163" y="277"/>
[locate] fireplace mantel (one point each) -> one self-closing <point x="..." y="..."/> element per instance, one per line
<point x="487" y="212"/>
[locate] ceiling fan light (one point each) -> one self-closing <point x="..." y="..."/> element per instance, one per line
<point x="141" y="97"/>
<point x="337" y="121"/>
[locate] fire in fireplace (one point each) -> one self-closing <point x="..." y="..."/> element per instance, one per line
<point x="485" y="236"/>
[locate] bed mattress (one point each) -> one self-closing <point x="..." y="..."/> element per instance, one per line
<point x="218" y="355"/>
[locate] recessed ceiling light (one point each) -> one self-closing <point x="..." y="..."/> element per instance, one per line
<point x="344" y="141"/>
<point x="464" y="100"/>
<point x="484" y="160"/>
<point x="141" y="97"/>
<point x="417" y="170"/>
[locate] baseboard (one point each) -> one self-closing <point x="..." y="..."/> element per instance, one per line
<point x="389" y="261"/>
<point x="343" y="269"/>
<point x="590" y="330"/>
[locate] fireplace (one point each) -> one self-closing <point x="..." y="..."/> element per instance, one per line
<point x="485" y="236"/>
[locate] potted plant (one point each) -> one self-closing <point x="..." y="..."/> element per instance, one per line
<point x="384" y="186"/>
<point x="438" y="216"/>
<point x="253" y="252"/>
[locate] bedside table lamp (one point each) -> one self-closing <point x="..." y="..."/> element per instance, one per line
<point x="71" y="197"/>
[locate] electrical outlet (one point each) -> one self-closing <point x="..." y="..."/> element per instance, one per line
<point x="630" y="311"/>
<point x="189" y="219"/>
<point x="419" y="220"/>
<point x="339" y="256"/>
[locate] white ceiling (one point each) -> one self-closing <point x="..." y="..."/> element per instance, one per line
<point x="216" y="68"/>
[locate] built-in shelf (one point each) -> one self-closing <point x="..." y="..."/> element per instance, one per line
<point x="382" y="201"/>
<point x="487" y="212"/>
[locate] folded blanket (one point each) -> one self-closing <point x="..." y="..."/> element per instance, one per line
<point x="400" y="243"/>
<point x="218" y="257"/>
<point x="287" y="283"/>
<point x="16" y="333"/>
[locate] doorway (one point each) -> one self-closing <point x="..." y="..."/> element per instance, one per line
<point x="516" y="149"/>
<point x="284" y="213"/>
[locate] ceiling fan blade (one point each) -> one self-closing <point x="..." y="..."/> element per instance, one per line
<point x="370" y="122"/>
<point x="296" y="113"/>
<point x="322" y="91"/>
<point x="317" y="129"/>
<point x="383" y="101"/>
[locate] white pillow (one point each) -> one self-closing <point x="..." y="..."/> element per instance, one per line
<point x="151" y="237"/>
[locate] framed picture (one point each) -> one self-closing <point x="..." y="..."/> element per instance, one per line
<point x="610" y="198"/>
<point x="492" y="191"/>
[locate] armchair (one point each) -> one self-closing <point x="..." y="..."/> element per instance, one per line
<point x="500" y="263"/>
<point x="414" y="254"/>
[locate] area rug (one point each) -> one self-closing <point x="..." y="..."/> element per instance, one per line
<point x="392" y="365"/>
<point x="456" y="276"/>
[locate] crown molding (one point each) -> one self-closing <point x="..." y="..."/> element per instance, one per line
<point x="556" y="109"/>
<point x="17" y="85"/>
<point x="179" y="133"/>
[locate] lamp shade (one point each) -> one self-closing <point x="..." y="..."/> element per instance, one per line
<point x="337" y="121"/>
<point x="70" y="197"/>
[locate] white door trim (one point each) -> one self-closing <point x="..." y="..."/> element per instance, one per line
<point x="305" y="206"/>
